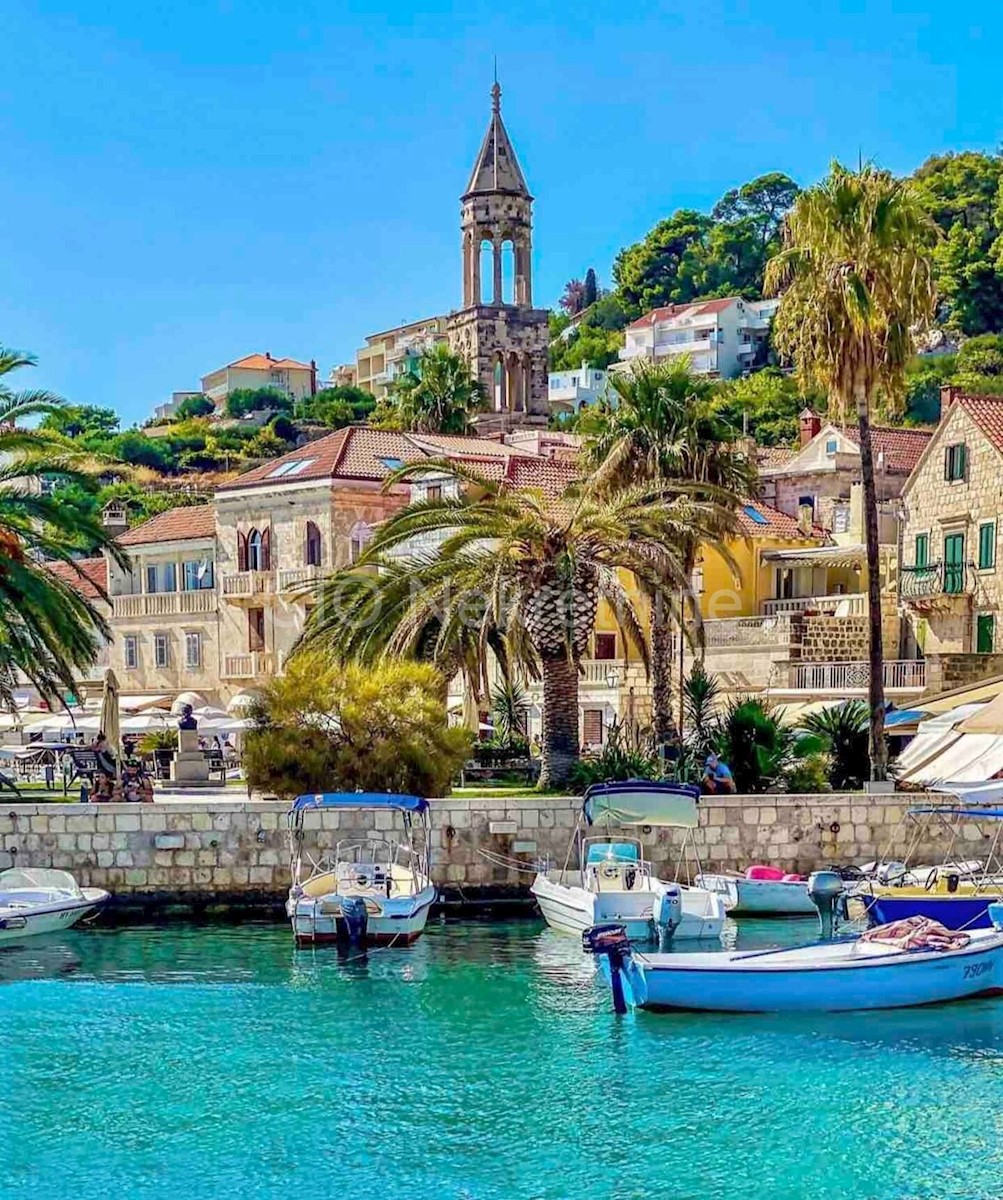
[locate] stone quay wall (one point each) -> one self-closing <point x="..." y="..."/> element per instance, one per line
<point x="234" y="854"/>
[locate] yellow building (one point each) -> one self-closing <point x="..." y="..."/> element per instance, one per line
<point x="296" y="379"/>
<point x="389" y="354"/>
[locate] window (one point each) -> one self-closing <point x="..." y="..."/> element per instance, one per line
<point x="255" y="629"/>
<point x="392" y="464"/>
<point x="954" y="563"/>
<point x="254" y="552"/>
<point x="197" y="575"/>
<point x="954" y="462"/>
<point x="193" y="650"/>
<point x="314" y="545"/>
<point x="831" y="446"/>
<point x="987" y="545"/>
<point x="296" y="467"/>
<point x="807" y="502"/>
<point x="358" y="538"/>
<point x="592" y="729"/>
<point x="130" y="648"/>
<point x="605" y="645"/>
<point x="921" y="555"/>
<point x="161" y="577"/>
<point x="161" y="650"/>
<point x="754" y="515"/>
<point x="433" y="492"/>
<point x="985" y="633"/>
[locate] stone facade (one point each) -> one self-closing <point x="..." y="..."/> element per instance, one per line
<point x="235" y="852"/>
<point x="943" y="611"/>
<point x="945" y="672"/>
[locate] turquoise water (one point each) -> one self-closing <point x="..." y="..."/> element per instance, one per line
<point x="188" y="1063"/>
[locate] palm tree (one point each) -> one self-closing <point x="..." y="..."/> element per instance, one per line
<point x="439" y="395"/>
<point x="48" y="630"/>
<point x="661" y="426"/>
<point x="513" y="562"/>
<point x="856" y="279"/>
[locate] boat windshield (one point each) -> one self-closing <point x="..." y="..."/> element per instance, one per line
<point x="37" y="878"/>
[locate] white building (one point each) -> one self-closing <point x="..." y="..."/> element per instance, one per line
<point x="581" y="386"/>
<point x="721" y="337"/>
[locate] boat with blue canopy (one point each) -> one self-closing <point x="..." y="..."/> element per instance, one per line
<point x="367" y="882"/>
<point x="614" y="882"/>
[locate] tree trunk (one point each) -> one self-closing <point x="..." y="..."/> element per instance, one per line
<point x="660" y="635"/>
<point x="877" y="747"/>
<point x="560" y="720"/>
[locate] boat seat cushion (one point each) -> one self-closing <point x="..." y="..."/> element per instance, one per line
<point x="761" y="872"/>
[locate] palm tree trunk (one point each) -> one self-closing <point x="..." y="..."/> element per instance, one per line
<point x="560" y="720"/>
<point x="877" y="748"/>
<point x="660" y="635"/>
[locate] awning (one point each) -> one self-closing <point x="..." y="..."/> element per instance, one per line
<point x="791" y="714"/>
<point x="819" y="556"/>
<point x="977" y="692"/>
<point x="973" y="758"/>
<point x="989" y="718"/>
<point x="140" y="703"/>
<point x="639" y="802"/>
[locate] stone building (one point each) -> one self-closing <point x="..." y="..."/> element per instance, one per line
<point x="503" y="337"/>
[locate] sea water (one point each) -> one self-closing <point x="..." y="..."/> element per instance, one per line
<point x="484" y="1062"/>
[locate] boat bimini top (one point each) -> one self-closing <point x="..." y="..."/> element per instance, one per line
<point x="642" y="802"/>
<point x="374" y="800"/>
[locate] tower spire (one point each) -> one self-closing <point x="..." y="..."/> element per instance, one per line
<point x="497" y="168"/>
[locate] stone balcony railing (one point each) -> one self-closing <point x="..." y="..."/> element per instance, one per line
<point x="747" y="631"/>
<point x="844" y="677"/>
<point x="295" y="579"/>
<point x="163" y="604"/>
<point x="256" y="664"/>
<point x="849" y="604"/>
<point x="242" y="585"/>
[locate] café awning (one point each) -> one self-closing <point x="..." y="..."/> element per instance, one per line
<point x="819" y="556"/>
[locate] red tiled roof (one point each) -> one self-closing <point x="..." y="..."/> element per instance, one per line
<point x="694" y="307"/>
<point x="900" y="448"/>
<point x="551" y="476"/>
<point x="773" y="456"/>
<point x="88" y="576"/>
<point x="261" y="362"/>
<point x="772" y="523"/>
<point x="987" y="413"/>
<point x="186" y="523"/>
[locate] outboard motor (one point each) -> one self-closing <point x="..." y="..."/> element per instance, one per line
<point x="825" y="889"/>
<point x="666" y="913"/>
<point x="355" y="919"/>
<point x="610" y="941"/>
<point x="891" y="874"/>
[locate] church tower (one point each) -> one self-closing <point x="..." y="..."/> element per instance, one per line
<point x="498" y="331"/>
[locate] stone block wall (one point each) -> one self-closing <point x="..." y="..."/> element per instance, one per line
<point x="235" y="853"/>
<point x="947" y="671"/>
<point x="819" y="637"/>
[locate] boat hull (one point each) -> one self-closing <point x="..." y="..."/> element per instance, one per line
<point x="574" y="909"/>
<point x="19" y="923"/>
<point x="805" y="980"/>
<point x="395" y="922"/>
<point x="760" y="897"/>
<point x="954" y="912"/>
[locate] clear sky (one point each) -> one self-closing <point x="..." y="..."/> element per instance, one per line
<point x="187" y="181"/>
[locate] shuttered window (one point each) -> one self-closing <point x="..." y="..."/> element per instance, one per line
<point x="592" y="730"/>
<point x="954" y="461"/>
<point x="987" y="545"/>
<point x="922" y="555"/>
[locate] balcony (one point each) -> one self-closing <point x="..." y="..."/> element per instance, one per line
<point x="741" y="632"/>
<point x="248" y="585"/>
<point x="847" y="677"/>
<point x="257" y="664"/>
<point x="849" y="604"/>
<point x="297" y="579"/>
<point x="163" y="604"/>
<point x="935" y="580"/>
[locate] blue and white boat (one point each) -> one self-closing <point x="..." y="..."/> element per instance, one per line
<point x="615" y="882"/>
<point x="845" y="975"/>
<point x="373" y="887"/>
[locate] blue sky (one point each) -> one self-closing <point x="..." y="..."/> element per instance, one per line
<point x="187" y="181"/>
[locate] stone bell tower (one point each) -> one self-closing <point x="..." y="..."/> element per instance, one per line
<point x="498" y="331"/>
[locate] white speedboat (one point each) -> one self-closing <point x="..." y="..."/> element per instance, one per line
<point x="760" y="892"/>
<point x="616" y="882"/>
<point x="36" y="900"/>
<point x="369" y="890"/>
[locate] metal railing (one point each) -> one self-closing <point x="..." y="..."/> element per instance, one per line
<point x="849" y="604"/>
<point x="164" y="604"/>
<point x="249" y="583"/>
<point x="935" y="579"/>
<point x="851" y="676"/>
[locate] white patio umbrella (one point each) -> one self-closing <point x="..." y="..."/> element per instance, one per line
<point x="144" y="722"/>
<point x="111" y="721"/>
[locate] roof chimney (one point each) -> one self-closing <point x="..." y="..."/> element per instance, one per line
<point x="268" y="355"/>
<point x="810" y="425"/>
<point x="948" y="395"/>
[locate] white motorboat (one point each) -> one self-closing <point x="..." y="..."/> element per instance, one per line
<point x="368" y="890"/>
<point x="760" y="892"/>
<point x="35" y="900"/>
<point x="616" y="883"/>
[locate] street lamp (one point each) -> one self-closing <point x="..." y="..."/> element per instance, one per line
<point x="612" y="678"/>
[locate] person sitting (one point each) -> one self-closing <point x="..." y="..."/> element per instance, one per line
<point x="107" y="769"/>
<point x="717" y="776"/>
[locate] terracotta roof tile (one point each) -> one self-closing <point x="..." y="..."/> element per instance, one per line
<point x="900" y="447"/>
<point x="188" y="522"/>
<point x="261" y="362"/>
<point x="761" y="520"/>
<point x="551" y="476"/>
<point x="695" y="308"/>
<point x="987" y="413"/>
<point x="768" y="457"/>
<point x="89" y="576"/>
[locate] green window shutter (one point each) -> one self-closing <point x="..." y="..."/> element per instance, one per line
<point x="947" y="461"/>
<point x="962" y="464"/>
<point x="922" y="554"/>
<point x="954" y="563"/>
<point x="987" y="545"/>
<point x="985" y="631"/>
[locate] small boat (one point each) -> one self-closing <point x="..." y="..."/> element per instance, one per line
<point x="36" y="900"/>
<point x="849" y="975"/>
<point x="369" y="890"/>
<point x="761" y="892"/>
<point x="616" y="882"/>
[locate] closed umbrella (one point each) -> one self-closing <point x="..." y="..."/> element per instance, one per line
<point x="110" y="720"/>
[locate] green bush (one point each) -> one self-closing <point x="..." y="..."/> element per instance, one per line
<point x="625" y="755"/>
<point x="760" y="750"/>
<point x="808" y="775"/>
<point x="843" y="730"/>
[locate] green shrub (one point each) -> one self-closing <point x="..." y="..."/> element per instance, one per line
<point x="809" y="774"/>
<point x="625" y="755"/>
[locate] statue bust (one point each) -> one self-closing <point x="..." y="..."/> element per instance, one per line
<point x="187" y="720"/>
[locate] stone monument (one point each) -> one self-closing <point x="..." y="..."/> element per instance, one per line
<point x="190" y="765"/>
